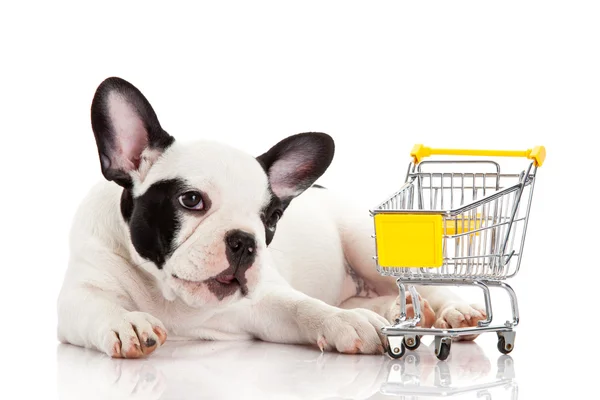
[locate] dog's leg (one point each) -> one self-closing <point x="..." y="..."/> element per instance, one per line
<point x="356" y="229"/>
<point x="389" y="307"/>
<point x="98" y="319"/>
<point x="286" y="315"/>
<point x="451" y="310"/>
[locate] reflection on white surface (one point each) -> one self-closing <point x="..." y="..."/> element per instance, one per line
<point x="248" y="370"/>
<point x="421" y="375"/>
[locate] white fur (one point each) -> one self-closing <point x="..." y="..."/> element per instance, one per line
<point x="299" y="285"/>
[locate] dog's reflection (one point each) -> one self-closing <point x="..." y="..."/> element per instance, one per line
<point x="219" y="370"/>
<point x="88" y="374"/>
<point x="421" y="375"/>
<point x="253" y="369"/>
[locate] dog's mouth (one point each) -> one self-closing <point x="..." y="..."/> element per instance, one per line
<point x="222" y="285"/>
<point x="223" y="279"/>
<point x="227" y="279"/>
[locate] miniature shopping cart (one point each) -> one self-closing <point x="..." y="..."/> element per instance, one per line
<point x="455" y="222"/>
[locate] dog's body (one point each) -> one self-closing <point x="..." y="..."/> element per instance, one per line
<point x="185" y="243"/>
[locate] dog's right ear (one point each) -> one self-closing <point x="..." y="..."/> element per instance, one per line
<point x="128" y="134"/>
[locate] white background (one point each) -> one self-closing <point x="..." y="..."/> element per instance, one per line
<point x="377" y="76"/>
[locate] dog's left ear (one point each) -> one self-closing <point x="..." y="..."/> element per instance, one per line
<point x="296" y="162"/>
<point x="128" y="134"/>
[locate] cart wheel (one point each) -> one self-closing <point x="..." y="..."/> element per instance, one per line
<point x="396" y="351"/>
<point x="443" y="348"/>
<point x="412" y="342"/>
<point x="506" y="342"/>
<point x="502" y="346"/>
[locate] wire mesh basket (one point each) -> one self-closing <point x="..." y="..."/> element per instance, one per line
<point x="456" y="222"/>
<point x="448" y="224"/>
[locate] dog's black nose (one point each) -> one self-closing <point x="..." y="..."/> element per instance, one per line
<point x="240" y="241"/>
<point x="241" y="248"/>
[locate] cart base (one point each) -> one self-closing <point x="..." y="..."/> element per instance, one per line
<point x="405" y="334"/>
<point x="400" y="339"/>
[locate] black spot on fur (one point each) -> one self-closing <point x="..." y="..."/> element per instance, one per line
<point x="126" y="204"/>
<point x="154" y="219"/>
<point x="274" y="206"/>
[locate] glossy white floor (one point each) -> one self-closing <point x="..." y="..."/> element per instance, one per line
<point x="379" y="78"/>
<point x="257" y="370"/>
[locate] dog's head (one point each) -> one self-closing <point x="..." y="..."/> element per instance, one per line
<point x="200" y="215"/>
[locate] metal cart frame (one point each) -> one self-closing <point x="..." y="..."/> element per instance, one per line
<point x="455" y="223"/>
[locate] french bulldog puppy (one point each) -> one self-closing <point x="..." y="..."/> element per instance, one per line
<point x="203" y="241"/>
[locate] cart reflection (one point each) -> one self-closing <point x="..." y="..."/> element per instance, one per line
<point x="258" y="370"/>
<point x="421" y="375"/>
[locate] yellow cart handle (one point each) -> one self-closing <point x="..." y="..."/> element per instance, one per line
<point x="538" y="153"/>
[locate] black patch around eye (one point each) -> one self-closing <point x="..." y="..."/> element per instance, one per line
<point x="275" y="205"/>
<point x="126" y="204"/>
<point x="153" y="219"/>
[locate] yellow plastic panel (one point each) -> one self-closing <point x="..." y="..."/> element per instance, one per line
<point x="409" y="240"/>
<point x="458" y="226"/>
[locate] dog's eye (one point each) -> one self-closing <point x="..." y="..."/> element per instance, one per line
<point x="273" y="219"/>
<point x="192" y="201"/>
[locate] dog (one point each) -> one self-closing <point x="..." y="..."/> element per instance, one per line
<point x="201" y="240"/>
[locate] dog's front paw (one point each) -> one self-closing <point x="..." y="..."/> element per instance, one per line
<point x="460" y="315"/>
<point x="352" y="331"/>
<point x="427" y="313"/>
<point x="134" y="335"/>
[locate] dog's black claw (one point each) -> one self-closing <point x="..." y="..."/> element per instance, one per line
<point x="150" y="342"/>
